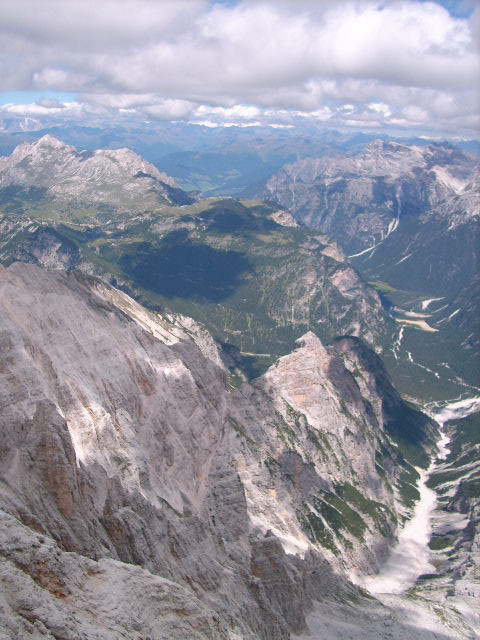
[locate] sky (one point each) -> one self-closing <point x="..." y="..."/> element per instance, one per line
<point x="403" y="65"/>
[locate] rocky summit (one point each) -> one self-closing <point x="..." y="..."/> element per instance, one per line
<point x="50" y="176"/>
<point x="143" y="494"/>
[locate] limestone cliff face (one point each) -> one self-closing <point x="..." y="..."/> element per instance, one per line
<point x="128" y="456"/>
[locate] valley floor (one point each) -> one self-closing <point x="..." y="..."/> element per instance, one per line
<point x="407" y="607"/>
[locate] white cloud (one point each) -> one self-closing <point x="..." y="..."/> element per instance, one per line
<point x="239" y="112"/>
<point x="380" y="108"/>
<point x="35" y="109"/>
<point x="50" y="103"/>
<point x="169" y="110"/>
<point x="342" y="62"/>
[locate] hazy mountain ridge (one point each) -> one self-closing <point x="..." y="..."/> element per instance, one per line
<point x="126" y="442"/>
<point x="355" y="199"/>
<point x="213" y="161"/>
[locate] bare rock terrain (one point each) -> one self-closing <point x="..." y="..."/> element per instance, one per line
<point x="143" y="495"/>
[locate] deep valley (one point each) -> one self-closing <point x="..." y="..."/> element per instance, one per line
<point x="256" y="418"/>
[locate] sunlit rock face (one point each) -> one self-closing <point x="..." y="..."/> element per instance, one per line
<point x="129" y="458"/>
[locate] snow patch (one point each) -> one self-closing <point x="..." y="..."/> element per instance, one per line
<point x="452" y="315"/>
<point x="419" y="324"/>
<point x="459" y="409"/>
<point x="426" y="303"/>
<point x="392" y="226"/>
<point x="403" y="259"/>
<point x="415" y="314"/>
<point x="410" y="558"/>
<point x="397" y="343"/>
<point x="450" y="181"/>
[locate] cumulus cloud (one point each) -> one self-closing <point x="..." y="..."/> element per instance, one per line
<point x="401" y="63"/>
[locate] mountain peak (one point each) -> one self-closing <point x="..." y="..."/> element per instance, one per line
<point x="309" y="340"/>
<point x="50" y="141"/>
<point x="117" y="179"/>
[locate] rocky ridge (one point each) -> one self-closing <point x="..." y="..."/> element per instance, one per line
<point x="359" y="199"/>
<point x="129" y="456"/>
<point x="51" y="173"/>
<point x="409" y="220"/>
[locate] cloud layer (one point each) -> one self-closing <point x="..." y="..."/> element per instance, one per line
<point x="398" y="64"/>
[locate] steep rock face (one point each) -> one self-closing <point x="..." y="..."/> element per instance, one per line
<point x="347" y="417"/>
<point x="310" y="380"/>
<point x="406" y="425"/>
<point x="358" y="199"/>
<point x="49" y="593"/>
<point x="51" y="171"/>
<point x="46" y="247"/>
<point x="124" y="444"/>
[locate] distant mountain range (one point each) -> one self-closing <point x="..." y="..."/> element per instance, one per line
<point x="212" y="161"/>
